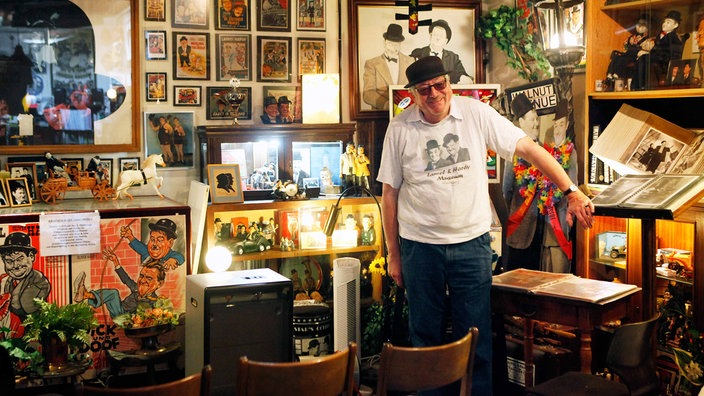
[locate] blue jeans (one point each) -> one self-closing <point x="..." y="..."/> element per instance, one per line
<point x="456" y="280"/>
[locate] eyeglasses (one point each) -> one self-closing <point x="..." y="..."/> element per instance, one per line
<point x="439" y="86"/>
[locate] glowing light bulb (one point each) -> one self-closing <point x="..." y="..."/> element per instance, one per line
<point x="218" y="259"/>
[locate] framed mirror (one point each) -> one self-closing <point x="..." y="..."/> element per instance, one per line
<point x="68" y="76"/>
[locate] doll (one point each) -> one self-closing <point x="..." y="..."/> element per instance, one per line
<point x="622" y="62"/>
<point x="658" y="51"/>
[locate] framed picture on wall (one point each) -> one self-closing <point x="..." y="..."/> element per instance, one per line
<point x="156" y="86"/>
<point x="217" y="109"/>
<point x="155" y="10"/>
<point x="128" y="163"/>
<point x="156" y="44"/>
<point x="225" y="183"/>
<point x="232" y="14"/>
<point x="190" y="13"/>
<point x="311" y="56"/>
<point x="234" y="54"/>
<point x="191" y="55"/>
<point x="274" y="59"/>
<point x="370" y="22"/>
<point x="292" y="92"/>
<point x="105" y="171"/>
<point x="311" y="15"/>
<point x="170" y="134"/>
<point x="273" y="15"/>
<point x="187" y="95"/>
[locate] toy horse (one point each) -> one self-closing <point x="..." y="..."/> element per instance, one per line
<point x="147" y="175"/>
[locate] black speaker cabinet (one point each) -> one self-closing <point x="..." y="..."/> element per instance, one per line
<point x="234" y="314"/>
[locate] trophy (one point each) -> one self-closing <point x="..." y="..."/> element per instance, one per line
<point x="233" y="98"/>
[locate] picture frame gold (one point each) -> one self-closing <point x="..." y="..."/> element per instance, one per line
<point x="16" y="184"/>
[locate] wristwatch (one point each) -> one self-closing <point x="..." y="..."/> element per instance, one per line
<point x="572" y="188"/>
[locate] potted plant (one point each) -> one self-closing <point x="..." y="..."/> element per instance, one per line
<point x="148" y="322"/>
<point x="59" y="329"/>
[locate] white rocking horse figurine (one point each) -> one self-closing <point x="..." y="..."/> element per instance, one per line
<point x="147" y="175"/>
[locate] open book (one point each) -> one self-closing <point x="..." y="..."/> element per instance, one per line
<point x="562" y="285"/>
<point x="639" y="142"/>
<point x="655" y="196"/>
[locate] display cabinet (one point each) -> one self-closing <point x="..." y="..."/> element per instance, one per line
<point x="304" y="153"/>
<point x="295" y="244"/>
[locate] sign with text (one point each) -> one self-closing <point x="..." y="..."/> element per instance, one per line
<point x="543" y="94"/>
<point x="69" y="233"/>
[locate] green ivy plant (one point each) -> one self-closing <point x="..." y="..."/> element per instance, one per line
<point x="509" y="30"/>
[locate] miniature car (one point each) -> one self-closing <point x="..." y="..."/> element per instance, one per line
<point x="240" y="247"/>
<point x="618" y="251"/>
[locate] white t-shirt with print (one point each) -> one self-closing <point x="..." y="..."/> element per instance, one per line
<point x="449" y="204"/>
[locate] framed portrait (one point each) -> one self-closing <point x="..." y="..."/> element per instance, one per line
<point x="18" y="191"/>
<point x="232" y="14"/>
<point x="172" y="135"/>
<point x="39" y="164"/>
<point x="155" y="10"/>
<point x="274" y="60"/>
<point x="217" y="109"/>
<point x="234" y="54"/>
<point x="156" y="44"/>
<point x="371" y="20"/>
<point x="292" y="92"/>
<point x="274" y="15"/>
<point x="4" y="198"/>
<point x="105" y="171"/>
<point x="311" y="15"/>
<point x="128" y="163"/>
<point x="191" y="56"/>
<point x="311" y="56"/>
<point x="187" y="95"/>
<point x="680" y="72"/>
<point x="28" y="170"/>
<point x="190" y="13"/>
<point x="104" y="43"/>
<point x="156" y="86"/>
<point x="225" y="183"/>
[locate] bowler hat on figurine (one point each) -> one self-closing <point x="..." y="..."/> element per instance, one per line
<point x="284" y="99"/>
<point x="17" y="241"/>
<point x="520" y="105"/>
<point x="394" y="33"/>
<point x="166" y="226"/>
<point x="562" y="110"/>
<point x="424" y="69"/>
<point x="674" y="15"/>
<point x="269" y="100"/>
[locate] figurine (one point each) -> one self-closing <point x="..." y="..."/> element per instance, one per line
<point x="271" y="110"/>
<point x="285" y="116"/>
<point x="658" y="51"/>
<point x="147" y="175"/>
<point x="95" y="168"/>
<point x="56" y="166"/>
<point x="622" y="62"/>
<point x="368" y="233"/>
<point x="347" y="167"/>
<point x="269" y="230"/>
<point x="362" y="168"/>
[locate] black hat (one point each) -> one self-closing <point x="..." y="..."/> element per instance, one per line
<point x="431" y="144"/>
<point x="166" y="226"/>
<point x="424" y="69"/>
<point x="17" y="241"/>
<point x="562" y="110"/>
<point x="443" y="24"/>
<point x="675" y="15"/>
<point x="284" y="99"/>
<point x="520" y="105"/>
<point x="394" y="33"/>
<point x="269" y="100"/>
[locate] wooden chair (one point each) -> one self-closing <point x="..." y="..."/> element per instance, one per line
<point x="325" y="376"/>
<point x="405" y="369"/>
<point x="631" y="357"/>
<point x="193" y="385"/>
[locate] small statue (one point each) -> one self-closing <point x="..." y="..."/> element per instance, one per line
<point x="658" y="51"/>
<point x="622" y="62"/>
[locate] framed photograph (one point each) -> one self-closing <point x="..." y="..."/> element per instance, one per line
<point x="39" y="164"/>
<point x="156" y="44"/>
<point x="106" y="37"/>
<point x="18" y="191"/>
<point x="217" y="109"/>
<point x="155" y="10"/>
<point x="311" y="15"/>
<point x="28" y="170"/>
<point x="225" y="183"/>
<point x="4" y="198"/>
<point x="274" y="60"/>
<point x="273" y="15"/>
<point x="190" y="13"/>
<point x="105" y="171"/>
<point x="234" y="54"/>
<point x="311" y="56"/>
<point x="232" y="14"/>
<point x="369" y="22"/>
<point x="128" y="163"/>
<point x="156" y="86"/>
<point x="681" y="72"/>
<point x="191" y="55"/>
<point x="172" y="135"/>
<point x="187" y="95"/>
<point x="292" y="92"/>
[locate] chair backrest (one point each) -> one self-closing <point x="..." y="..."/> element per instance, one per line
<point x="631" y="356"/>
<point x="325" y="376"/>
<point x="412" y="369"/>
<point x="194" y="385"/>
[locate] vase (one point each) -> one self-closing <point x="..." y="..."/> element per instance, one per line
<point x="149" y="336"/>
<point x="55" y="353"/>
